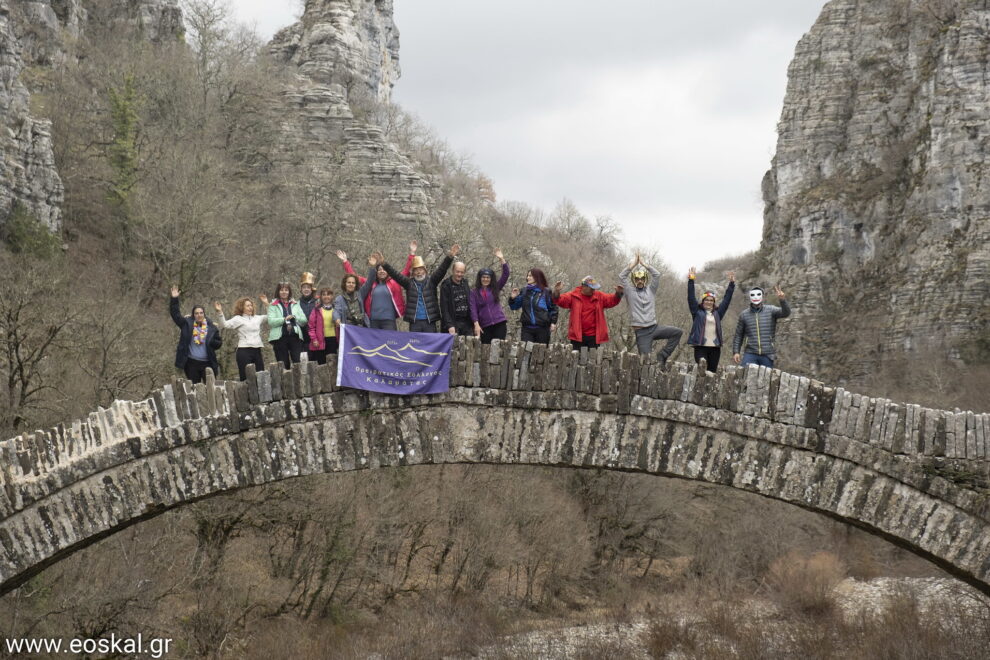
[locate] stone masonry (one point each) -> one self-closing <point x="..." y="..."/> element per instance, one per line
<point x="890" y="468"/>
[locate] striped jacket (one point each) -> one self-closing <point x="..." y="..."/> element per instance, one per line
<point x="758" y="326"/>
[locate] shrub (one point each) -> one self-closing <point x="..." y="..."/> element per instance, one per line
<point x="805" y="584"/>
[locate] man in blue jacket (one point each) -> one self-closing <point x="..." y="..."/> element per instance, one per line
<point x="757" y="326"/>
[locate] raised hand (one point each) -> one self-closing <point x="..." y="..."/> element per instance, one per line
<point x="557" y="286"/>
<point x="776" y="289"/>
<point x="498" y="254"/>
<point x="515" y="292"/>
<point x="263" y="298"/>
<point x="175" y="291"/>
<point x="732" y="276"/>
<point x="412" y="247"/>
<point x="373" y="259"/>
<point x="454" y="250"/>
<point x="619" y="288"/>
<point x="217" y="306"/>
<point x="692" y="272"/>
<point x="341" y="255"/>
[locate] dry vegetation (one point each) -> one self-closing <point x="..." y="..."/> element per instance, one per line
<point x="168" y="156"/>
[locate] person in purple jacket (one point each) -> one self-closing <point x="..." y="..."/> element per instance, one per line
<point x="486" y="309"/>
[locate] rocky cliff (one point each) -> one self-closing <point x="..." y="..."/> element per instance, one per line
<point x="27" y="166"/>
<point x="36" y="35"/>
<point x="345" y="55"/>
<point x="877" y="205"/>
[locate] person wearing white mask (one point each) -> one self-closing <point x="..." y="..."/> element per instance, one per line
<point x="757" y="326"/>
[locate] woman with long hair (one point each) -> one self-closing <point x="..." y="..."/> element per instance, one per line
<point x="486" y="308"/>
<point x="285" y="321"/>
<point x="247" y="324"/>
<point x="539" y="313"/>
<point x="199" y="340"/>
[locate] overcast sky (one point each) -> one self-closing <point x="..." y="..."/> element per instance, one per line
<point x="661" y="114"/>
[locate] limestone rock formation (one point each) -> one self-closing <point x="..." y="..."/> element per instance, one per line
<point x="36" y="34"/>
<point x="27" y="164"/>
<point x="877" y="205"/>
<point x="345" y="56"/>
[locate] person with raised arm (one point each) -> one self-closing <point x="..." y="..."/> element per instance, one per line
<point x="486" y="308"/>
<point x="349" y="268"/>
<point x="247" y="324"/>
<point x="199" y="339"/>
<point x="706" y="326"/>
<point x="642" y="299"/>
<point x="347" y="307"/>
<point x="422" y="307"/>
<point x="322" y="328"/>
<point x="587" y="326"/>
<point x="455" y="302"/>
<point x="381" y="296"/>
<point x="285" y="333"/>
<point x="538" y="317"/>
<point x="757" y="327"/>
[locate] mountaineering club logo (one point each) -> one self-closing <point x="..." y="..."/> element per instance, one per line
<point x="394" y="362"/>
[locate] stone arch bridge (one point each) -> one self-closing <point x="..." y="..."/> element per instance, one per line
<point x="910" y="474"/>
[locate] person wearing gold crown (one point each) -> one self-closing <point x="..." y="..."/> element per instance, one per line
<point x="642" y="298"/>
<point x="706" y="327"/>
<point x="422" y="305"/>
<point x="308" y="301"/>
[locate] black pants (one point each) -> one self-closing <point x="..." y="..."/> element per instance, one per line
<point x="246" y="356"/>
<point x="464" y="328"/>
<point x="320" y="357"/>
<point x="535" y="335"/>
<point x="383" y="324"/>
<point x="496" y="331"/>
<point x="196" y="370"/>
<point x="287" y="349"/>
<point x="589" y="340"/>
<point x="711" y="355"/>
<point x="423" y="326"/>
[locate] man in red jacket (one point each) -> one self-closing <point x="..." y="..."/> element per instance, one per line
<point x="587" y="325"/>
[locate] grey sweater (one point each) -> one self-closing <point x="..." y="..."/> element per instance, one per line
<point x="758" y="326"/>
<point x="642" y="302"/>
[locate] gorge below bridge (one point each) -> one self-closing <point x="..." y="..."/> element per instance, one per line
<point x="910" y="474"/>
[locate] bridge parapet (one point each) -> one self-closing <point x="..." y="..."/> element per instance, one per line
<point x="866" y="430"/>
<point x="881" y="465"/>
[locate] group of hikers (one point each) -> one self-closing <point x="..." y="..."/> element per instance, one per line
<point x="431" y="301"/>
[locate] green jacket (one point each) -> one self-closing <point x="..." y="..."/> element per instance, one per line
<point x="276" y="320"/>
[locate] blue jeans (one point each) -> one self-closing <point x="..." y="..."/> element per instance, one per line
<point x="753" y="358"/>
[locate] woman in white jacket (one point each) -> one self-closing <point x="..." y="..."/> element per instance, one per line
<point x="248" y="327"/>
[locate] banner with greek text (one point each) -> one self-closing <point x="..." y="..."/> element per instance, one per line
<point x="393" y="362"/>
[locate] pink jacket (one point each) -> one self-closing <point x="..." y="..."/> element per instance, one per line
<point x="317" y="342"/>
<point x="398" y="298"/>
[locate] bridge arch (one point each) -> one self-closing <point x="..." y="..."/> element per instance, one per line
<point x="882" y="466"/>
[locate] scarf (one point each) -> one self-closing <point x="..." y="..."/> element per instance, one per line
<point x="355" y="315"/>
<point x="199" y="332"/>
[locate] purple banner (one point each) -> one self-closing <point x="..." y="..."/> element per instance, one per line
<point x="394" y="362"/>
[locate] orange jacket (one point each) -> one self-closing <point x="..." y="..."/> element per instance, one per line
<point x="575" y="301"/>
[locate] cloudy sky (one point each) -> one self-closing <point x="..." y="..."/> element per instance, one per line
<point x="661" y="114"/>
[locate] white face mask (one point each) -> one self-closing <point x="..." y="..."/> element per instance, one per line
<point x="756" y="296"/>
